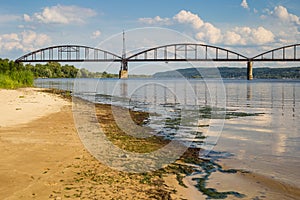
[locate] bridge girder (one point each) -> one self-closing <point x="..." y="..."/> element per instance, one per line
<point x="289" y="53"/>
<point x="168" y="53"/>
<point x="187" y="52"/>
<point x="69" y="53"/>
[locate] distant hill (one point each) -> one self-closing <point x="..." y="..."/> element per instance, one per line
<point x="232" y="72"/>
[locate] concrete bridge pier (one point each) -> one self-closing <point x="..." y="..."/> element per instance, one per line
<point x="250" y="70"/>
<point x="123" y="73"/>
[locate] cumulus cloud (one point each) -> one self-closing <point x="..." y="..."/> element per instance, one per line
<point x="209" y="33"/>
<point x="60" y="14"/>
<point x="25" y="41"/>
<point x="247" y="35"/>
<point x="285" y="24"/>
<point x="184" y="17"/>
<point x="233" y="38"/>
<point x="283" y="14"/>
<point x="262" y="35"/>
<point x="244" y="4"/>
<point x="96" y="34"/>
<point x="156" y="21"/>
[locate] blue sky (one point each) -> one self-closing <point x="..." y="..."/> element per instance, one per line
<point x="247" y="26"/>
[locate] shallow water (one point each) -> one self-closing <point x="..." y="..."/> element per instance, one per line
<point x="267" y="142"/>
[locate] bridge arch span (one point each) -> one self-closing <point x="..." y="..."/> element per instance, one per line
<point x="69" y="53"/>
<point x="285" y="53"/>
<point x="187" y="52"/>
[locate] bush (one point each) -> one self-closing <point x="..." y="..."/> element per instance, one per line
<point x="23" y="78"/>
<point x="6" y="82"/>
<point x="16" y="79"/>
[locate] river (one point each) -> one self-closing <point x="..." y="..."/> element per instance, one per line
<point x="250" y="125"/>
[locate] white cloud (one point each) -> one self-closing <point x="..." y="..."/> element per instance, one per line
<point x="233" y="38"/>
<point x="60" y="14"/>
<point x="156" y="20"/>
<point x="285" y="24"/>
<point x="244" y="4"/>
<point x="10" y="37"/>
<point x="283" y="14"/>
<point x="187" y="17"/>
<point x="26" y="18"/>
<point x="262" y="36"/>
<point x="96" y="34"/>
<point x="247" y="35"/>
<point x="210" y="33"/>
<point x="206" y="31"/>
<point x="25" y="41"/>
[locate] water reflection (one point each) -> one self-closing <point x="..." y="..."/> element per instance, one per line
<point x="249" y="93"/>
<point x="269" y="143"/>
<point x="124" y="88"/>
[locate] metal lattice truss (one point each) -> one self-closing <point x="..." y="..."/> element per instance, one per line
<point x="286" y="53"/>
<point x="69" y="53"/>
<point x="166" y="53"/>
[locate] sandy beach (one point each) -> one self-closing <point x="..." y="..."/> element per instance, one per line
<point x="24" y="105"/>
<point x="43" y="158"/>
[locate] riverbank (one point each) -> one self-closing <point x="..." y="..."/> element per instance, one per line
<point x="43" y="158"/>
<point x="24" y="105"/>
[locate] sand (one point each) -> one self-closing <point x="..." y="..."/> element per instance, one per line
<point x="43" y="158"/>
<point x="24" y="105"/>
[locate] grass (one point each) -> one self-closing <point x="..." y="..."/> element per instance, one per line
<point x="16" y="79"/>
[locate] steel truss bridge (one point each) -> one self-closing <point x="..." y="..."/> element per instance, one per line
<point x="184" y="52"/>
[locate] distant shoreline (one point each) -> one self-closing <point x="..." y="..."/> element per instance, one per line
<point x="232" y="73"/>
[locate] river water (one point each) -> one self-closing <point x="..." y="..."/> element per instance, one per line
<point x="250" y="125"/>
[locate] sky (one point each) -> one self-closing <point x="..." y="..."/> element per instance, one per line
<point x="249" y="27"/>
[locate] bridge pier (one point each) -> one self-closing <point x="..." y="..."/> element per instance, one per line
<point x="123" y="73"/>
<point x="249" y="70"/>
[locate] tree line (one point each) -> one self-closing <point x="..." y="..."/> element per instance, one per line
<point x="13" y="75"/>
<point x="232" y="73"/>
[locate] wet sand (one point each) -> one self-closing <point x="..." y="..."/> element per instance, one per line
<point x="44" y="159"/>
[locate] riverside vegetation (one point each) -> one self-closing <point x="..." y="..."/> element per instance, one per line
<point x="15" y="75"/>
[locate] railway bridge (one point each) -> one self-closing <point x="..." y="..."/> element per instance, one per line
<point x="181" y="52"/>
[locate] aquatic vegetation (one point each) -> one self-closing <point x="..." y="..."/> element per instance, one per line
<point x="188" y="164"/>
<point x="208" y="112"/>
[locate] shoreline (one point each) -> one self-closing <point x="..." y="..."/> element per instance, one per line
<point x="52" y="163"/>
